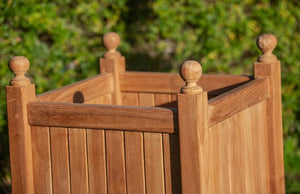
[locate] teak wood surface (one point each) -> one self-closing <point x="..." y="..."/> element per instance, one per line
<point x="141" y="132"/>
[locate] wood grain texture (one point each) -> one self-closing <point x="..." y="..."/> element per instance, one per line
<point x="154" y="163"/>
<point x="171" y="151"/>
<point x="115" y="66"/>
<point x="135" y="171"/>
<point x="134" y="150"/>
<point x="260" y="147"/>
<point x="271" y="70"/>
<point x="20" y="137"/>
<point x="164" y="100"/>
<point x="41" y="160"/>
<point x="237" y="153"/>
<point x="78" y="161"/>
<point x="153" y="147"/>
<point x="60" y="160"/>
<point x="152" y="119"/>
<point x="193" y="136"/>
<point x="171" y="82"/>
<point x="96" y="161"/>
<point x="115" y="160"/>
<point x="236" y="100"/>
<point x="105" y="99"/>
<point x="89" y="88"/>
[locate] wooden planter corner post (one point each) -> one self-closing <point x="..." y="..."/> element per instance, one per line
<point x="18" y="94"/>
<point x="267" y="66"/>
<point x="113" y="62"/>
<point x="193" y="129"/>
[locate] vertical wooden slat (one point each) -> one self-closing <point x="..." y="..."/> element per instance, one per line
<point x="78" y="160"/>
<point x="260" y="148"/>
<point x="96" y="161"/>
<point x="153" y="148"/>
<point x="236" y="163"/>
<point x="60" y="160"/>
<point x="218" y="160"/>
<point x="164" y="100"/>
<point x="130" y="99"/>
<point x="41" y="159"/>
<point x="134" y="162"/>
<point x="222" y="150"/>
<point x="175" y="155"/>
<point x="167" y="163"/>
<point x="247" y="144"/>
<point x="134" y="149"/>
<point x="116" y="180"/>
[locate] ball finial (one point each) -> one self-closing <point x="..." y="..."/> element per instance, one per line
<point x="19" y="66"/>
<point x="191" y="71"/>
<point x="111" y="41"/>
<point x="266" y="43"/>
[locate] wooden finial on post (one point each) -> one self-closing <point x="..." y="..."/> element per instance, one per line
<point x="191" y="71"/>
<point x="113" y="62"/>
<point x="19" y="66"/>
<point x="266" y="43"/>
<point x="111" y="41"/>
<point x="18" y="94"/>
<point x="267" y="66"/>
<point x="193" y="129"/>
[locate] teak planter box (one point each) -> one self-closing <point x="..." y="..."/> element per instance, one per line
<point x="137" y="132"/>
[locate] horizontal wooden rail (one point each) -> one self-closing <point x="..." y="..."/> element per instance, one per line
<point x="236" y="100"/>
<point x="88" y="89"/>
<point x="172" y="82"/>
<point x="150" y="119"/>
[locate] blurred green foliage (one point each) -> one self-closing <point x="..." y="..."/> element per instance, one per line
<point x="62" y="40"/>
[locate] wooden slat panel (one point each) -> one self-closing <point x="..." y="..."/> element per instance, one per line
<point x="134" y="149"/>
<point x="78" y="161"/>
<point x="171" y="82"/>
<point x="236" y="100"/>
<point x="60" y="160"/>
<point x="41" y="159"/>
<point x="96" y="161"/>
<point x="239" y="146"/>
<point x="89" y="88"/>
<point x="116" y="180"/>
<point x="152" y="119"/>
<point x="153" y="154"/>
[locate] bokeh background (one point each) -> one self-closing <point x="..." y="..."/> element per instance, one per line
<point x="62" y="39"/>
